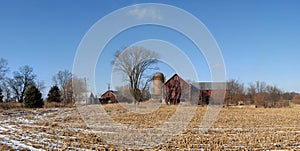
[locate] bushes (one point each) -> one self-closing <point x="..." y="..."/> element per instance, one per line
<point x="283" y="103"/>
<point x="296" y="99"/>
<point x="33" y="98"/>
<point x="54" y="94"/>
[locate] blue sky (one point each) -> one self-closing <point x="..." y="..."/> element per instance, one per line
<point x="259" y="40"/>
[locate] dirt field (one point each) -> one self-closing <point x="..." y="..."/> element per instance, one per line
<point x="234" y="129"/>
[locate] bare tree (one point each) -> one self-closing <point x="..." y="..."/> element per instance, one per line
<point x="68" y="92"/>
<point x="3" y="79"/>
<point x="63" y="79"/>
<point x="3" y="69"/>
<point x="260" y="87"/>
<point x="259" y="99"/>
<point x="134" y="62"/>
<point x="21" y="80"/>
<point x="236" y="91"/>
<point x="261" y="94"/>
<point x="251" y="92"/>
<point x="40" y="85"/>
<point x="296" y="99"/>
<point x="6" y="91"/>
<point x="274" y="94"/>
<point x="79" y="89"/>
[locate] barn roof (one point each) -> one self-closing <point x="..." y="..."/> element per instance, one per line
<point x="209" y="85"/>
<point x="173" y="77"/>
<point x="202" y="85"/>
<point x="108" y="91"/>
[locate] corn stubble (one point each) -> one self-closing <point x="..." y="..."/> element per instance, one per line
<point x="235" y="129"/>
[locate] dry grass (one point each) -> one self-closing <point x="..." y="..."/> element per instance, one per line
<point x="11" y="105"/>
<point x="235" y="129"/>
<point x="56" y="105"/>
<point x="16" y="105"/>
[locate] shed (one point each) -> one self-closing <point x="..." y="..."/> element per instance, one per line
<point x="109" y="97"/>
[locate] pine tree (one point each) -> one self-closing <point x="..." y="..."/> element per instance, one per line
<point x="1" y="96"/>
<point x="54" y="94"/>
<point x="33" y="98"/>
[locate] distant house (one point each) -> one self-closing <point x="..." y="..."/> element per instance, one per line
<point x="90" y="99"/>
<point x="109" y="96"/>
<point x="86" y="98"/>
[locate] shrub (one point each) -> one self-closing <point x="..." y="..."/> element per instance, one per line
<point x="33" y="98"/>
<point x="54" y="94"/>
<point x="296" y="99"/>
<point x="283" y="103"/>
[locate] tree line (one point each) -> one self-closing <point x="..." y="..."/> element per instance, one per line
<point x="134" y="63"/>
<point x="260" y="94"/>
<point x="24" y="87"/>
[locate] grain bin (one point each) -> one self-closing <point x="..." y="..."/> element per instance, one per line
<point x="158" y="81"/>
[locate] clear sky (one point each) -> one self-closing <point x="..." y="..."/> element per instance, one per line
<point x="259" y="40"/>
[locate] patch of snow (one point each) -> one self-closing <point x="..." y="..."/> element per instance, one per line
<point x="16" y="144"/>
<point x="2" y="129"/>
<point x="239" y="146"/>
<point x="12" y="128"/>
<point x="237" y="129"/>
<point x="295" y="131"/>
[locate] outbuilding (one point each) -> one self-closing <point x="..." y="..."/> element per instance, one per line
<point x="109" y="96"/>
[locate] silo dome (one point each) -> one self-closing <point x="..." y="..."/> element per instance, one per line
<point x="158" y="76"/>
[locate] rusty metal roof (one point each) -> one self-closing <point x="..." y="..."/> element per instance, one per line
<point x="209" y="85"/>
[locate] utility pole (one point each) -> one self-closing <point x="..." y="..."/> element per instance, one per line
<point x="86" y="95"/>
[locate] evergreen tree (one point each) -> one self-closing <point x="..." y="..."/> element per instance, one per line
<point x="54" y="94"/>
<point x="1" y="96"/>
<point x="33" y="98"/>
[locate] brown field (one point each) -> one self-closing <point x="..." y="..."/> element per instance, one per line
<point x="234" y="129"/>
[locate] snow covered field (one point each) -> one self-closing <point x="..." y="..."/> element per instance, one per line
<point x="235" y="129"/>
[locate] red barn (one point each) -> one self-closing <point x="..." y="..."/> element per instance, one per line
<point x="109" y="97"/>
<point x="176" y="90"/>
